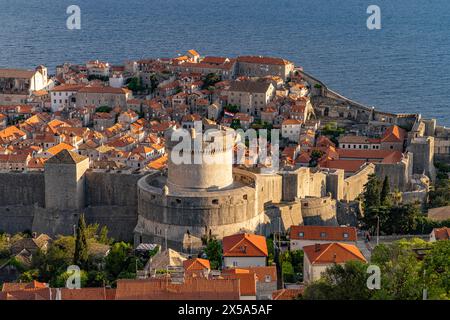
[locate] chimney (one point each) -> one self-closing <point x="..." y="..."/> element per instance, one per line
<point x="334" y="257"/>
<point x="317" y="247"/>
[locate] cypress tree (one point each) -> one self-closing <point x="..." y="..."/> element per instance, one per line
<point x="385" y="192"/>
<point x="372" y="192"/>
<point x="81" y="254"/>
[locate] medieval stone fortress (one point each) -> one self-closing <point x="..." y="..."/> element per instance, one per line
<point x="96" y="139"/>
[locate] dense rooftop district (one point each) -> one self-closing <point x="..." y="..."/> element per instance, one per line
<point x="348" y="173"/>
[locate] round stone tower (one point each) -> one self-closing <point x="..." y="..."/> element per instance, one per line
<point x="198" y="197"/>
<point x="200" y="160"/>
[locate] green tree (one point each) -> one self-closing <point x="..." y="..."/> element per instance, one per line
<point x="210" y="80"/>
<point x="315" y="156"/>
<point x="29" y="275"/>
<point x="400" y="270"/>
<point x="440" y="193"/>
<point x="96" y="279"/>
<point x="385" y="198"/>
<point x="372" y="192"/>
<point x="297" y="263"/>
<point x="271" y="251"/>
<point x="4" y="246"/>
<point x="103" y="237"/>
<point x="103" y="109"/>
<point x="81" y="254"/>
<point x="56" y="260"/>
<point x="213" y="251"/>
<point x="61" y="280"/>
<point x="232" y="108"/>
<point x="135" y="85"/>
<point x="403" y="219"/>
<point x="341" y="282"/>
<point x="235" y="124"/>
<point x="436" y="270"/>
<point x="120" y="261"/>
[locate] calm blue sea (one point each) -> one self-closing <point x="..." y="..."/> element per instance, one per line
<point x="404" y="67"/>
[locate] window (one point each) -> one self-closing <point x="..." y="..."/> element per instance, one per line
<point x="345" y="235"/>
<point x="235" y="264"/>
<point x="301" y="234"/>
<point x="323" y="234"/>
<point x="268" y="278"/>
<point x="215" y="201"/>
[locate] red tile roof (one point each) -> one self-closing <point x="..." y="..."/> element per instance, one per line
<point x="193" y="288"/>
<point x="335" y="252"/>
<point x="394" y="134"/>
<point x="17" y="286"/>
<point x="385" y="156"/>
<point x="346" y="165"/>
<point x="196" y="264"/>
<point x="442" y="233"/>
<point x="247" y="280"/>
<point x="330" y="233"/>
<point x="245" y="245"/>
<point x="262" y="60"/>
<point x="287" y="294"/>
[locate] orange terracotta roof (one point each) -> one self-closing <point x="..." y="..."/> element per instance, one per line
<point x="324" y="233"/>
<point x="87" y="294"/>
<point x="394" y="134"/>
<point x="59" y="147"/>
<point x="68" y="87"/>
<point x="335" y="252"/>
<point x="262" y="60"/>
<point x="291" y="122"/>
<point x="196" y="264"/>
<point x="287" y="294"/>
<point x="247" y="280"/>
<point x="16" y="73"/>
<point x="346" y="165"/>
<point x="15" y="286"/>
<point x="245" y="245"/>
<point x="101" y="89"/>
<point x="372" y="155"/>
<point x="193" y="288"/>
<point x="159" y="163"/>
<point x="442" y="233"/>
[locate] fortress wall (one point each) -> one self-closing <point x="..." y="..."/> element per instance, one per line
<point x="111" y="189"/>
<point x="268" y="187"/>
<point x="15" y="219"/>
<point x="335" y="183"/>
<point x="199" y="212"/>
<point x="303" y="183"/>
<point x="317" y="185"/>
<point x="354" y="185"/>
<point x="319" y="211"/>
<point x="348" y="213"/>
<point x="120" y="220"/>
<point x="415" y="196"/>
<point x="397" y="173"/>
<point x="21" y="189"/>
<point x="229" y="207"/>
<point x="112" y="202"/>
